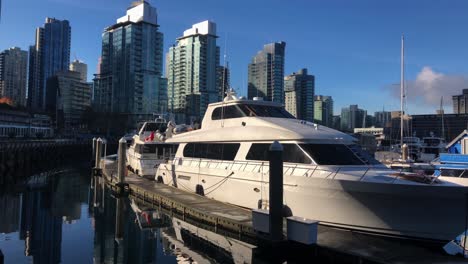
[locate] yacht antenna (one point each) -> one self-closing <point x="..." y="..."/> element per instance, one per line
<point x="402" y="87"/>
<point x="223" y="81"/>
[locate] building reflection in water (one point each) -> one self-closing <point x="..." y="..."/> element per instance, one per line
<point x="36" y="210"/>
<point x="125" y="230"/>
<point x="10" y="205"/>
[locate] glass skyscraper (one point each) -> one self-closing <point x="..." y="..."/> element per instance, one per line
<point x="299" y="89"/>
<point x="323" y="110"/>
<point x="50" y="54"/>
<point x="130" y="81"/>
<point x="13" y="72"/>
<point x="192" y="70"/>
<point x="266" y="73"/>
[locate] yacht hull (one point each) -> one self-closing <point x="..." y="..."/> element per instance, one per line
<point x="142" y="166"/>
<point x="409" y="210"/>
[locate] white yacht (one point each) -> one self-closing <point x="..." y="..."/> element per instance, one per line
<point x="326" y="176"/>
<point x="148" y="149"/>
<point x="431" y="148"/>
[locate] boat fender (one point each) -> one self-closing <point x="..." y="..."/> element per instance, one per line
<point x="160" y="179"/>
<point x="287" y="212"/>
<point x="199" y="190"/>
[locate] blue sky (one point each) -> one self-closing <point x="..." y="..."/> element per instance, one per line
<point x="352" y="47"/>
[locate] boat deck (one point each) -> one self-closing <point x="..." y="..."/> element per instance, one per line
<point x="333" y="245"/>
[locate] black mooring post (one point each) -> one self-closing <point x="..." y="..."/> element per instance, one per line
<point x="119" y="220"/>
<point x="275" y="156"/>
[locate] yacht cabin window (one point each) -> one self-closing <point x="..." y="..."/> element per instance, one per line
<point x="434" y="142"/>
<point x="291" y="153"/>
<point x="152" y="126"/>
<point x="332" y="154"/>
<point x="153" y="148"/>
<point x="248" y="110"/>
<point x="322" y="154"/>
<point x="215" y="151"/>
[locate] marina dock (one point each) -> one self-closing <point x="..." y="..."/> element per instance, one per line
<point x="333" y="245"/>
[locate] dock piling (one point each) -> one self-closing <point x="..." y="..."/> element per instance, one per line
<point x="404" y="152"/>
<point x="119" y="220"/>
<point x="98" y="153"/>
<point x="93" y="155"/>
<point x="275" y="156"/>
<point x="121" y="160"/>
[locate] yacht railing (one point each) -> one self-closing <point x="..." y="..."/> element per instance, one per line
<point x="354" y="173"/>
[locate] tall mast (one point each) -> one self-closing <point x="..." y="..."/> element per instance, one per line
<point x="442" y="113"/>
<point x="402" y="87"/>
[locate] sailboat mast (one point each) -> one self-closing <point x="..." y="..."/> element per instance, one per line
<point x="442" y="113"/>
<point x="402" y="87"/>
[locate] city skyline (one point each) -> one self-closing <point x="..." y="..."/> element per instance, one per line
<point x="352" y="49"/>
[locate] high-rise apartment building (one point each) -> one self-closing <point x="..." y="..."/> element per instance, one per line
<point x="382" y="119"/>
<point x="460" y="103"/>
<point x="13" y="74"/>
<point x="130" y="82"/>
<point x="192" y="72"/>
<point x="299" y="89"/>
<point x="72" y="98"/>
<point x="50" y="54"/>
<point x="223" y="80"/>
<point x="266" y="73"/>
<point x="81" y="67"/>
<point x="352" y="117"/>
<point x="323" y="110"/>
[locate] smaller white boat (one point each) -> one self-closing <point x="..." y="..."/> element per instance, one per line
<point x="148" y="148"/>
<point x="431" y="148"/>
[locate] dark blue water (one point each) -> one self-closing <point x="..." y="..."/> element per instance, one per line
<point x="54" y="218"/>
<point x="69" y="217"/>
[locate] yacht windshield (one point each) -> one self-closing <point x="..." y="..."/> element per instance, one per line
<point x="265" y="111"/>
<point x="333" y="154"/>
<point x="432" y="141"/>
<point x="155" y="126"/>
<point x="322" y="154"/>
<point x="291" y="153"/>
<point x="249" y="110"/>
<point x="411" y="140"/>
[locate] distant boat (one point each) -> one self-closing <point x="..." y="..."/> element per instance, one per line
<point x="147" y="148"/>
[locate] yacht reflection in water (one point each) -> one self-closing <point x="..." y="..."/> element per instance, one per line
<point x="128" y="231"/>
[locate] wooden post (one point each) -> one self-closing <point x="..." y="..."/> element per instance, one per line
<point x="275" y="156"/>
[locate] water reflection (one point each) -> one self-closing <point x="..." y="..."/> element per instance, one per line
<point x="34" y="210"/>
<point x="127" y="230"/>
<point x="70" y="217"/>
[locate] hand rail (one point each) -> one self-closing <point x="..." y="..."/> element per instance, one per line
<point x="291" y="168"/>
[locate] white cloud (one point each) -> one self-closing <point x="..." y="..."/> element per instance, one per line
<point x="429" y="86"/>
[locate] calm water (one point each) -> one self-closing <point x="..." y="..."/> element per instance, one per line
<point x="70" y="218"/>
